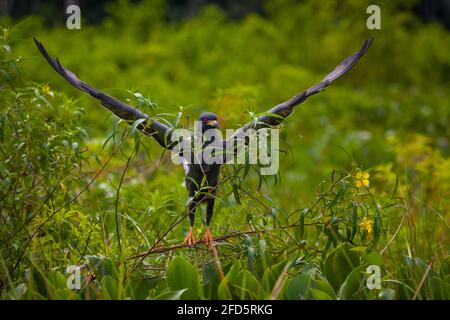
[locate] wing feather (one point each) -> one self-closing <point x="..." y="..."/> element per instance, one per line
<point x="150" y="127"/>
<point x="279" y="113"/>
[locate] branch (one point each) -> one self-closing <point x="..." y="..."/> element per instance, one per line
<point x="217" y="239"/>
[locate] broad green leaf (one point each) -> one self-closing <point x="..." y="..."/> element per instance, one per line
<point x="211" y="280"/>
<point x="110" y="288"/>
<point x="39" y="285"/>
<point x="139" y="288"/>
<point x="298" y="287"/>
<point x="224" y="291"/>
<point x="271" y="275"/>
<point x="56" y="280"/>
<point x="339" y="263"/>
<point x="354" y="287"/>
<point x="239" y="284"/>
<point x="373" y="258"/>
<point x="324" y="286"/>
<point x="320" y="295"/>
<point x="247" y="286"/>
<point x="181" y="274"/>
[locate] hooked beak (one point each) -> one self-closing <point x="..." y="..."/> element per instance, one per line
<point x="211" y="123"/>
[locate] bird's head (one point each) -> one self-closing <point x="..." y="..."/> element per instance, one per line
<point x="208" y="120"/>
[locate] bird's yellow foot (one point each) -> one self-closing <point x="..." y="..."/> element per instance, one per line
<point x="208" y="238"/>
<point x="189" y="240"/>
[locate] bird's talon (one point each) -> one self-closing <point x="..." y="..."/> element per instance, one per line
<point x="189" y="240"/>
<point x="208" y="238"/>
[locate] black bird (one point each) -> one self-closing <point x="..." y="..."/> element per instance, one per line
<point x="200" y="189"/>
<point x="201" y="179"/>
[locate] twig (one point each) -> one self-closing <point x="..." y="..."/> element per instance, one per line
<point x="280" y="282"/>
<point x="217" y="239"/>
<point x="181" y="246"/>
<point x="185" y="214"/>
<point x="38" y="228"/>
<point x="116" y="207"/>
<point x="398" y="228"/>
<point x="422" y="281"/>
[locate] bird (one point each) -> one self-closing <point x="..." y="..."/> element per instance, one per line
<point x="201" y="182"/>
<point x="201" y="179"/>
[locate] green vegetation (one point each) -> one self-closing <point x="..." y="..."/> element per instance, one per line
<point x="365" y="167"/>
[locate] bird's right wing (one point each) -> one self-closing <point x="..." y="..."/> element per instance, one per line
<point x="150" y="127"/>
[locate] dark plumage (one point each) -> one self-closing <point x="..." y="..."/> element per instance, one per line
<point x="200" y="189"/>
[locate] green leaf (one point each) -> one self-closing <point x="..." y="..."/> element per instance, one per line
<point x="298" y="287"/>
<point x="445" y="267"/>
<point x="271" y="275"/>
<point x="339" y="263"/>
<point x="110" y="288"/>
<point x="377" y="224"/>
<point x="354" y="222"/>
<point x="139" y="288"/>
<point x="56" y="280"/>
<point x="239" y="284"/>
<point x="247" y="286"/>
<point x="302" y="223"/>
<point x="373" y="258"/>
<point x="211" y="280"/>
<point x="236" y="194"/>
<point x="170" y="295"/>
<point x="320" y="295"/>
<point x="324" y="286"/>
<point x="38" y="281"/>
<point x="310" y="285"/>
<point x="250" y="258"/>
<point x="394" y="191"/>
<point x="354" y="286"/>
<point x="224" y="291"/>
<point x="135" y="125"/>
<point x="437" y="288"/>
<point x="181" y="274"/>
<point x="387" y="294"/>
<point x="268" y="114"/>
<point x="102" y="266"/>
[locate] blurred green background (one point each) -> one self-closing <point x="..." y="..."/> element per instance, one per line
<point x="212" y="62"/>
<point x="390" y="115"/>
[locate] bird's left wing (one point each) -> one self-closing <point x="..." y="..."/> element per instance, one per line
<point x="279" y="113"/>
<point x="150" y="126"/>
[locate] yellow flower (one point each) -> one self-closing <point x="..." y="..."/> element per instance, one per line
<point x="367" y="224"/>
<point x="46" y="90"/>
<point x="362" y="179"/>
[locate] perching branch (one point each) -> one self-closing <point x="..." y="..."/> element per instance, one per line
<point x="217" y="239"/>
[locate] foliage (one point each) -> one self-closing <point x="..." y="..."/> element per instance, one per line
<point x="364" y="167"/>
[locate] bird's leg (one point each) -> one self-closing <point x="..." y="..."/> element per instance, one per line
<point x="209" y="213"/>
<point x="190" y="240"/>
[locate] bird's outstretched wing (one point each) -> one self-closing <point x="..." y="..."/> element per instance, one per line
<point x="279" y="113"/>
<point x="150" y="127"/>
